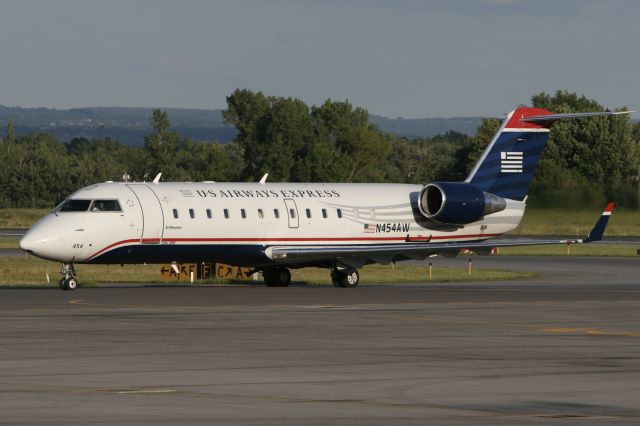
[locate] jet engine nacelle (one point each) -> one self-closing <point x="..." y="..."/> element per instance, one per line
<point x="457" y="203"/>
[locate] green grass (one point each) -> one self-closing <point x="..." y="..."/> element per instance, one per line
<point x="20" y="218"/>
<point x="404" y="273"/>
<point x="603" y="250"/>
<point x="623" y="222"/>
<point x="31" y="271"/>
<point x="9" y="242"/>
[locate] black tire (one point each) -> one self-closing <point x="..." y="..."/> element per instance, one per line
<point x="268" y="278"/>
<point x="349" y="278"/>
<point x="70" y="284"/>
<point x="277" y="277"/>
<point x="61" y="284"/>
<point x="284" y="277"/>
<point x="336" y="279"/>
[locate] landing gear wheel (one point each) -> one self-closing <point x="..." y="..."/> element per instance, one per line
<point x="69" y="281"/>
<point x="345" y="278"/>
<point x="277" y="277"/>
<point x="70" y="284"/>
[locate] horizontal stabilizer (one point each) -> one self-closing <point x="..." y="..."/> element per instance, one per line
<point x="550" y="118"/>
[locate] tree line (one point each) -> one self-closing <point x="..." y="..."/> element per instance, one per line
<point x="584" y="163"/>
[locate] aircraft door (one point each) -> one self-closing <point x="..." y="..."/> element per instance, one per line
<point x="292" y="213"/>
<point x="152" y="216"/>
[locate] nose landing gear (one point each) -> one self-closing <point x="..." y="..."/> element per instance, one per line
<point x="69" y="281"/>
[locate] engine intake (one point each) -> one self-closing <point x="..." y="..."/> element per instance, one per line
<point x="457" y="203"/>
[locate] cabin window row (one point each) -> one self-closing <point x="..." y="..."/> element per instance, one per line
<point x="261" y="215"/>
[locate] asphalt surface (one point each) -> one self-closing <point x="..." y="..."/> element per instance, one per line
<point x="561" y="349"/>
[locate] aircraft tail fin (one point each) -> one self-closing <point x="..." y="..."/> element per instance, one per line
<point x="508" y="163"/>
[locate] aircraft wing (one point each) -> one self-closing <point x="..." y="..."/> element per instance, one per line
<point x="359" y="255"/>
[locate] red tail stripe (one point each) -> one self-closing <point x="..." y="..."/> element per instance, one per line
<point x="520" y="113"/>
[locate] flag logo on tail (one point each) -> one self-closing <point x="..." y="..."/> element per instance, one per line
<point x="511" y="162"/>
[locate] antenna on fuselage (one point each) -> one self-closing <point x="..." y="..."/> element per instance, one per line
<point x="264" y="179"/>
<point x="157" y="178"/>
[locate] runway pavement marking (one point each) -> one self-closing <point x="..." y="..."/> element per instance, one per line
<point x="122" y="391"/>
<point x="590" y="331"/>
<point x="147" y="391"/>
<point x="83" y="303"/>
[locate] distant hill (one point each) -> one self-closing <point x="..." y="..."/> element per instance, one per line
<point x="426" y="127"/>
<point x="129" y="125"/>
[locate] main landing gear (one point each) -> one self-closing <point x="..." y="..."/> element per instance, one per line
<point x="277" y="277"/>
<point x="348" y="277"/>
<point x="69" y="281"/>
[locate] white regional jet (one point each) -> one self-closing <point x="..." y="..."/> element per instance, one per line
<point x="273" y="227"/>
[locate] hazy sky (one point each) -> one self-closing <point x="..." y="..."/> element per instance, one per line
<point x="405" y="58"/>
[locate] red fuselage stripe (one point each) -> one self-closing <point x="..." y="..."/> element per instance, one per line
<point x="287" y="239"/>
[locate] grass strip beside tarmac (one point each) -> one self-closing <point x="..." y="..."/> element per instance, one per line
<point x="20" y="218"/>
<point x="591" y="249"/>
<point x="9" y="243"/>
<point x="27" y="271"/>
<point x="577" y="223"/>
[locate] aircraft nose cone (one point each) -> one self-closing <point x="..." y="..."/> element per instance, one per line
<point x="31" y="240"/>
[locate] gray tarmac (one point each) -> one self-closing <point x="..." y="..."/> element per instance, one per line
<point x="563" y="348"/>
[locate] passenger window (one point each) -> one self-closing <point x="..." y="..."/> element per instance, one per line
<point x="192" y="213"/>
<point x="339" y="211"/>
<point x="292" y="213"/>
<point x="276" y="213"/>
<point x="105" y="206"/>
<point x="175" y="213"/>
<point x="75" y="206"/>
<point x="243" y="213"/>
<point x="308" y="213"/>
<point x="260" y="214"/>
<point x="226" y="213"/>
<point x="208" y="213"/>
<point x="324" y="213"/>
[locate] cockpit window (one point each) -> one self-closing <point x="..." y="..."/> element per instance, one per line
<point x="75" y="206"/>
<point x="105" y="206"/>
<point x="90" y="205"/>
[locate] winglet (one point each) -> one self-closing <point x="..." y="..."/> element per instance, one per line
<point x="157" y="178"/>
<point x="601" y="224"/>
<point x="264" y="179"/>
